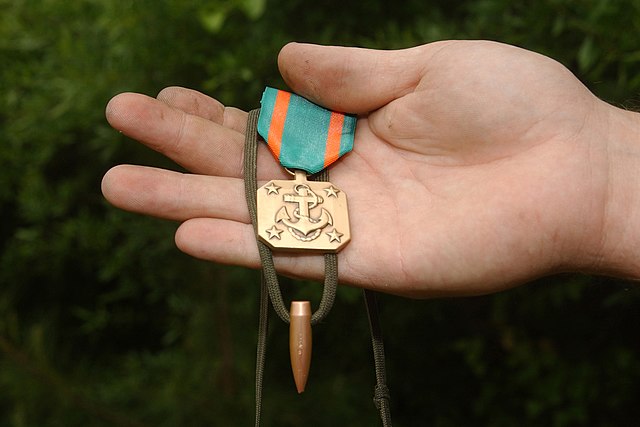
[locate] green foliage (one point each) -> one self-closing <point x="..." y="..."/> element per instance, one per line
<point x="103" y="322"/>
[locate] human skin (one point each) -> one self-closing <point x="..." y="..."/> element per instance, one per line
<point x="477" y="166"/>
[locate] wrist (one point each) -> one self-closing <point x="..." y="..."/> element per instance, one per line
<point x="618" y="253"/>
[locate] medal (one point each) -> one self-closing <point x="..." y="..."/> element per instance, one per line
<point x="307" y="213"/>
<point x="299" y="214"/>
<point x="303" y="215"/>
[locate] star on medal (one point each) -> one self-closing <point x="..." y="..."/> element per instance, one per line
<point x="334" y="236"/>
<point x="274" y="232"/>
<point x="272" y="188"/>
<point x="332" y="191"/>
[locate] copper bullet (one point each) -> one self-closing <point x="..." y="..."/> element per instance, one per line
<point x="300" y="342"/>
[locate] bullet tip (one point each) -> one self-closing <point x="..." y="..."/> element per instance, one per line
<point x="300" y="342"/>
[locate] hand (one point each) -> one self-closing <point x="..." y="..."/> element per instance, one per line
<point x="477" y="166"/>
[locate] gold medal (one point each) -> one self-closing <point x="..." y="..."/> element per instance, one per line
<point x="303" y="215"/>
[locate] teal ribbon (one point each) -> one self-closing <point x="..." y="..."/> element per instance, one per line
<point x="301" y="134"/>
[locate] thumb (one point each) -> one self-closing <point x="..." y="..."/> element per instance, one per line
<point x="351" y="80"/>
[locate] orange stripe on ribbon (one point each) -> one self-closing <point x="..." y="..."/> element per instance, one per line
<point x="332" y="151"/>
<point x="278" y="118"/>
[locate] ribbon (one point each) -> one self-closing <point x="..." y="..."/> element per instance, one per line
<point x="303" y="135"/>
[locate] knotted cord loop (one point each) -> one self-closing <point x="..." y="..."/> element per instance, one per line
<point x="381" y="396"/>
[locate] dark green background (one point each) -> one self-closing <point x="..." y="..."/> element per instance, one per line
<point x="104" y="323"/>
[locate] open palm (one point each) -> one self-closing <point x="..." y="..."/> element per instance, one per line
<point x="462" y="179"/>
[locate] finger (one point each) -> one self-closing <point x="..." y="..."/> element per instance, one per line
<point x="230" y="242"/>
<point x="198" y="104"/>
<point x="189" y="140"/>
<point x="173" y="195"/>
<point x="353" y="80"/>
<point x="198" y="144"/>
<point x="219" y="240"/>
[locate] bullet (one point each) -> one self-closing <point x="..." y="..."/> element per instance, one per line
<point x="300" y="342"/>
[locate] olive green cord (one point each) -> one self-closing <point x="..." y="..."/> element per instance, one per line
<point x="270" y="287"/>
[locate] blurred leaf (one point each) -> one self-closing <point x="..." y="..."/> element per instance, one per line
<point x="213" y="20"/>
<point x="254" y="8"/>
<point x="587" y="54"/>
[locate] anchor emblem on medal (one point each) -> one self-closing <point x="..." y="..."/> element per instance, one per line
<point x="300" y="214"/>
